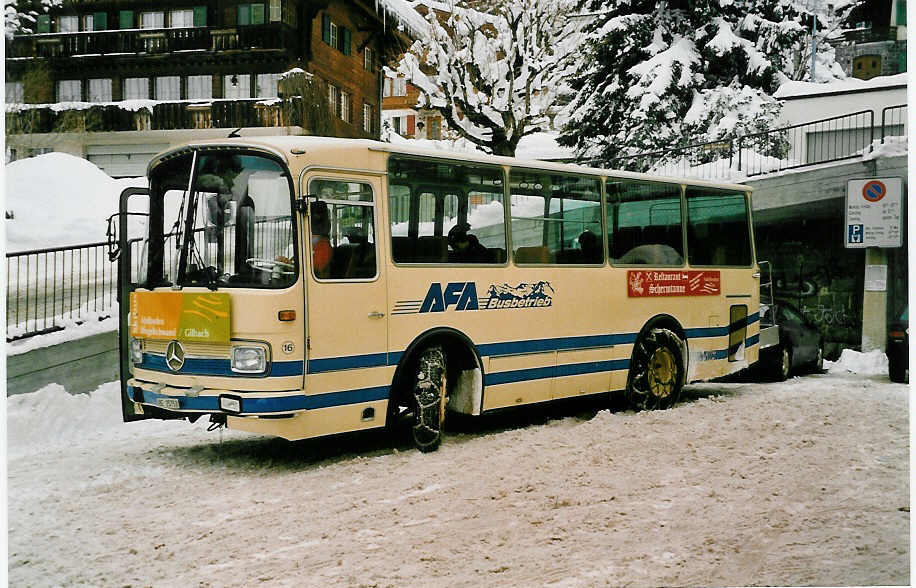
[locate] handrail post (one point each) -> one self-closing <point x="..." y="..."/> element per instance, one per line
<point x="871" y="126"/>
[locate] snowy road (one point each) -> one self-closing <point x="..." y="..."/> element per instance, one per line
<point x="798" y="483"/>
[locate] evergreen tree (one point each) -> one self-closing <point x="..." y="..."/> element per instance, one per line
<point x="662" y="73"/>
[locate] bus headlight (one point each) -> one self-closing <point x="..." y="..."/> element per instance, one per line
<point x="249" y="360"/>
<point x="136" y="350"/>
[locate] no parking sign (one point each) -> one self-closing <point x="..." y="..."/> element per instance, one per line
<point x="874" y="213"/>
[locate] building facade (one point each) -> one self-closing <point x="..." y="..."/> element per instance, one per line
<point x="117" y="81"/>
<point x="401" y="115"/>
<point x="875" y="43"/>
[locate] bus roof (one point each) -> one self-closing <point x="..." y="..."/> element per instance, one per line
<point x="332" y="148"/>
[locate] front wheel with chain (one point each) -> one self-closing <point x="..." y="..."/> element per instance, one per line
<point x="656" y="371"/>
<point x="429" y="399"/>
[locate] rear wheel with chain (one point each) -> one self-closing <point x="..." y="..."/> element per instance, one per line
<point x="429" y="399"/>
<point x="656" y="371"/>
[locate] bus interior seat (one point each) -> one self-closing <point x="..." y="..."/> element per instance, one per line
<point x="426" y="249"/>
<point x="625" y="238"/>
<point x="535" y="254"/>
<point x="497" y="254"/>
<point x="432" y="249"/>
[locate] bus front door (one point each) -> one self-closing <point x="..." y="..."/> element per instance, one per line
<point x="346" y="301"/>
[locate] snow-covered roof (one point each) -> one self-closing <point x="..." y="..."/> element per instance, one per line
<point x="790" y="90"/>
<point x="403" y="14"/>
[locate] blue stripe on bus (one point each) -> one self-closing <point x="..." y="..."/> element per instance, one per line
<point x="541" y="373"/>
<point x="222" y="367"/>
<point x="753" y="318"/>
<point x="216" y="367"/>
<point x="349" y="362"/>
<point x="753" y="340"/>
<point x="275" y="403"/>
<point x="706" y="332"/>
<point x="555" y="344"/>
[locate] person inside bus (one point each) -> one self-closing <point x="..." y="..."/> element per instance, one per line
<point x="466" y="248"/>
<point x="222" y="174"/>
<point x="591" y="247"/>
<point x="321" y="242"/>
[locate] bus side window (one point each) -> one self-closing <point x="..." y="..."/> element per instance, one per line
<point x="343" y="243"/>
<point x="644" y="223"/>
<point x="556" y="218"/>
<point x="717" y="228"/>
<point x="442" y="213"/>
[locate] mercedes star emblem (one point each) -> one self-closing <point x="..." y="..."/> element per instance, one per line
<point x="174" y="356"/>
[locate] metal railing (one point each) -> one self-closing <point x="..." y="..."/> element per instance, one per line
<point x="47" y="289"/>
<point x="822" y="141"/>
<point x="277" y="36"/>
<point x="893" y="122"/>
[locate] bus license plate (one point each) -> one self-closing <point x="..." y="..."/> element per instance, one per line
<point x="168" y="403"/>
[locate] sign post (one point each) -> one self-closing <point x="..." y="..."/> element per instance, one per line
<point x="874" y="221"/>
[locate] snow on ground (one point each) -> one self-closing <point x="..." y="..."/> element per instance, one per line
<point x="872" y="363"/>
<point x="58" y="199"/>
<point x="803" y="482"/>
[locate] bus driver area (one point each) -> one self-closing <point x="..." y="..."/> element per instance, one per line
<point x="431" y="283"/>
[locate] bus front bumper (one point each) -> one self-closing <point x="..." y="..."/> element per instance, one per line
<point x="206" y="400"/>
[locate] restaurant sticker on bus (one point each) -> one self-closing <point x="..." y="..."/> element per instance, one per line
<point x="646" y="283"/>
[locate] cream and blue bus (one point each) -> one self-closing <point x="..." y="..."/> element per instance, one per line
<point x="304" y="286"/>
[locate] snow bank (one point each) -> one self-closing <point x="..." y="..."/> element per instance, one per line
<point x="53" y="417"/>
<point x="855" y="362"/>
<point x="58" y="199"/>
<point x="87" y="326"/>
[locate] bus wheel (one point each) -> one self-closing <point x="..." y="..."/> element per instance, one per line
<point x="429" y="399"/>
<point x="656" y="371"/>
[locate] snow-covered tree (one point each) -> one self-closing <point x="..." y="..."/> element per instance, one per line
<point x="494" y="76"/>
<point x="662" y="73"/>
<point x="20" y="15"/>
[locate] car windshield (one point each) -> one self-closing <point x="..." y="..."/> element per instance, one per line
<point x="220" y="218"/>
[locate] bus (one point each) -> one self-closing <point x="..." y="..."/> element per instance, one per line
<point x="308" y="286"/>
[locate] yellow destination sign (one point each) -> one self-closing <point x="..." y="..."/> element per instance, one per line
<point x="195" y="317"/>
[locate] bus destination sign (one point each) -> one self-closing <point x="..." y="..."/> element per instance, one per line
<point x="646" y="283"/>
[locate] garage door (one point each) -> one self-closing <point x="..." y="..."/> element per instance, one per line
<point x="121" y="161"/>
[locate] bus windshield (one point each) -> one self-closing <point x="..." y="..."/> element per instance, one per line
<point x="220" y="219"/>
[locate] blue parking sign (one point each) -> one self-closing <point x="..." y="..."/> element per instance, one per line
<point x="856" y="234"/>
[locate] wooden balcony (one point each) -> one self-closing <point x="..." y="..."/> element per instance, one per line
<point x="272" y="36"/>
<point x="213" y="114"/>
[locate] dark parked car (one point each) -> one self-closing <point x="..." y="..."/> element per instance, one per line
<point x="898" y="348"/>
<point x="801" y="344"/>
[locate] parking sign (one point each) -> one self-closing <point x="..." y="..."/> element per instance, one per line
<point x="874" y="213"/>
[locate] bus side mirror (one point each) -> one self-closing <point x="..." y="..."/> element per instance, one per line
<point x="111" y="234"/>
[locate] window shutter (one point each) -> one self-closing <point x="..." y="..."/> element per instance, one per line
<point x="326" y="29"/>
<point x="200" y="16"/>
<point x="411" y="124"/>
<point x="345" y="41"/>
<point x="257" y="14"/>
<point x="901" y="13"/>
<point x="244" y="14"/>
<point x="44" y="23"/>
<point x="99" y="21"/>
<point x="126" y="19"/>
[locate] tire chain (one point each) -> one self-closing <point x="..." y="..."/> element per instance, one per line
<point x="427" y="393"/>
